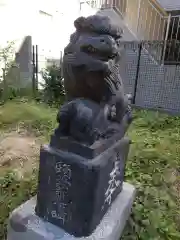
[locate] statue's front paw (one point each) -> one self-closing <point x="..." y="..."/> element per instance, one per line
<point x="129" y="98"/>
<point x="129" y="114"/>
<point x="113" y="113"/>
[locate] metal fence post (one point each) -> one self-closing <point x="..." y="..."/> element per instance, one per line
<point x="166" y="38"/>
<point x="37" y="69"/>
<point x="33" y="63"/>
<point x="137" y="73"/>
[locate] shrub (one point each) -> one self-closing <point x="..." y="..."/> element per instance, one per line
<point x="8" y="82"/>
<point x="53" y="88"/>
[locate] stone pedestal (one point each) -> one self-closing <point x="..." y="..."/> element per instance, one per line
<point x="76" y="189"/>
<point x="24" y="224"/>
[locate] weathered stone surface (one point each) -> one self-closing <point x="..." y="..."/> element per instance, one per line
<point x="87" y="122"/>
<point x="99" y="38"/>
<point x="75" y="192"/>
<point x="25" y="225"/>
<point x="91" y="71"/>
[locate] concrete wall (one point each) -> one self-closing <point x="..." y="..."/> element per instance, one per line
<point x="24" y="60"/>
<point x="152" y="22"/>
<point x="131" y="15"/>
<point x="143" y="18"/>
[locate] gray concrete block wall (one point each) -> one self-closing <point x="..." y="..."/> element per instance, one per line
<point x="24" y="60"/>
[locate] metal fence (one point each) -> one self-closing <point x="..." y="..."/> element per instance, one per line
<point x="40" y="63"/>
<point x="153" y="85"/>
<point x="35" y="68"/>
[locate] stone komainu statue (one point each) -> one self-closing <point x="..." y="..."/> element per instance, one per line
<point x="96" y="105"/>
<point x="82" y="169"/>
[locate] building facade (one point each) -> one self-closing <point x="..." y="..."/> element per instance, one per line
<point x="151" y="19"/>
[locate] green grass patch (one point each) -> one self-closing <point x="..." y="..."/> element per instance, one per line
<point x="36" y="118"/>
<point x="153" y="166"/>
<point x="12" y="193"/>
<point x="33" y="116"/>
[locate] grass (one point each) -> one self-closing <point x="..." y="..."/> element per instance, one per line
<point x="35" y="117"/>
<point x="153" y="166"/>
<point x="40" y="120"/>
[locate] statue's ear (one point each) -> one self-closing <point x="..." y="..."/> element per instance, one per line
<point x="80" y="23"/>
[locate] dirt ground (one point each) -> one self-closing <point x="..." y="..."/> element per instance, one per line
<point x="20" y="152"/>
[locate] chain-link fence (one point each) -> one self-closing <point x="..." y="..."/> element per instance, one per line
<point x="154" y="84"/>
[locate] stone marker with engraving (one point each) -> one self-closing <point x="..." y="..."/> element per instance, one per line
<point x="81" y="193"/>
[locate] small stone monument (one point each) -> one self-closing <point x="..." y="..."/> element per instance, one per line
<point x="81" y="190"/>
